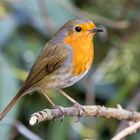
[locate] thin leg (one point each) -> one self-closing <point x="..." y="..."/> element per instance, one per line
<point x="53" y="104"/>
<point x="68" y="97"/>
<point x="76" y="104"/>
<point x="46" y="96"/>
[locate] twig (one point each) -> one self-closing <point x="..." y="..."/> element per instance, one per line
<point x="133" y="104"/>
<point x="123" y="129"/>
<point x="98" y="19"/>
<point x="88" y="111"/>
<point x="127" y="131"/>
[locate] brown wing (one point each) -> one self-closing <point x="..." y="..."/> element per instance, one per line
<point x="51" y="58"/>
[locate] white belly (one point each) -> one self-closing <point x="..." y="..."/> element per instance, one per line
<point x="59" y="81"/>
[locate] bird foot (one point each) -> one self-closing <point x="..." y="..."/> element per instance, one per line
<point x="61" y="114"/>
<point x="80" y="111"/>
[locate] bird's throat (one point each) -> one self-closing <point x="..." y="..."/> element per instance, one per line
<point x="83" y="54"/>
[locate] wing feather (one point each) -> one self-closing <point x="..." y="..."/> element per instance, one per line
<point x="50" y="59"/>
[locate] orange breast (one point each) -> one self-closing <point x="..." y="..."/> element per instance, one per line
<point x="83" y="52"/>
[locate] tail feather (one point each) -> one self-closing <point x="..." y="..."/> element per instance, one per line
<point x="12" y="102"/>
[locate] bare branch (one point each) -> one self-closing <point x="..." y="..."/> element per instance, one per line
<point x="127" y="131"/>
<point x="123" y="129"/>
<point x="88" y="111"/>
<point x="98" y="19"/>
<point x="133" y="104"/>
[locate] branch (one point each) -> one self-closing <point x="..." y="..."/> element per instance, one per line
<point x="88" y="111"/>
<point x="98" y="19"/>
<point x="123" y="130"/>
<point x="127" y="131"/>
<point x="133" y="104"/>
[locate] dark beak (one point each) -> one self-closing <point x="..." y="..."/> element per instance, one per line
<point x="95" y="30"/>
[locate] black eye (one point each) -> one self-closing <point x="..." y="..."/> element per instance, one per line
<point x="78" y="29"/>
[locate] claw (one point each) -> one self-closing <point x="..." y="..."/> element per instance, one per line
<point x="80" y="109"/>
<point x="61" y="118"/>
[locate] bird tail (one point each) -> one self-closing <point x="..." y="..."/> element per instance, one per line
<point x="12" y="102"/>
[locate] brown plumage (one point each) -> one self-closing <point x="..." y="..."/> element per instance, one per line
<point x="64" y="60"/>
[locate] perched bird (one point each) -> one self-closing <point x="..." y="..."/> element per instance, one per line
<point x="64" y="60"/>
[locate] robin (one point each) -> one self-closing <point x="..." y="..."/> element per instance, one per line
<point x="65" y="59"/>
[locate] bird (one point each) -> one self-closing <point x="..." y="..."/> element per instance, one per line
<point x="64" y="60"/>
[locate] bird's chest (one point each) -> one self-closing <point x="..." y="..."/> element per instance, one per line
<point x="82" y="53"/>
<point x="82" y="57"/>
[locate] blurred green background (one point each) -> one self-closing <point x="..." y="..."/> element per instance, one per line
<point x="26" y="25"/>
